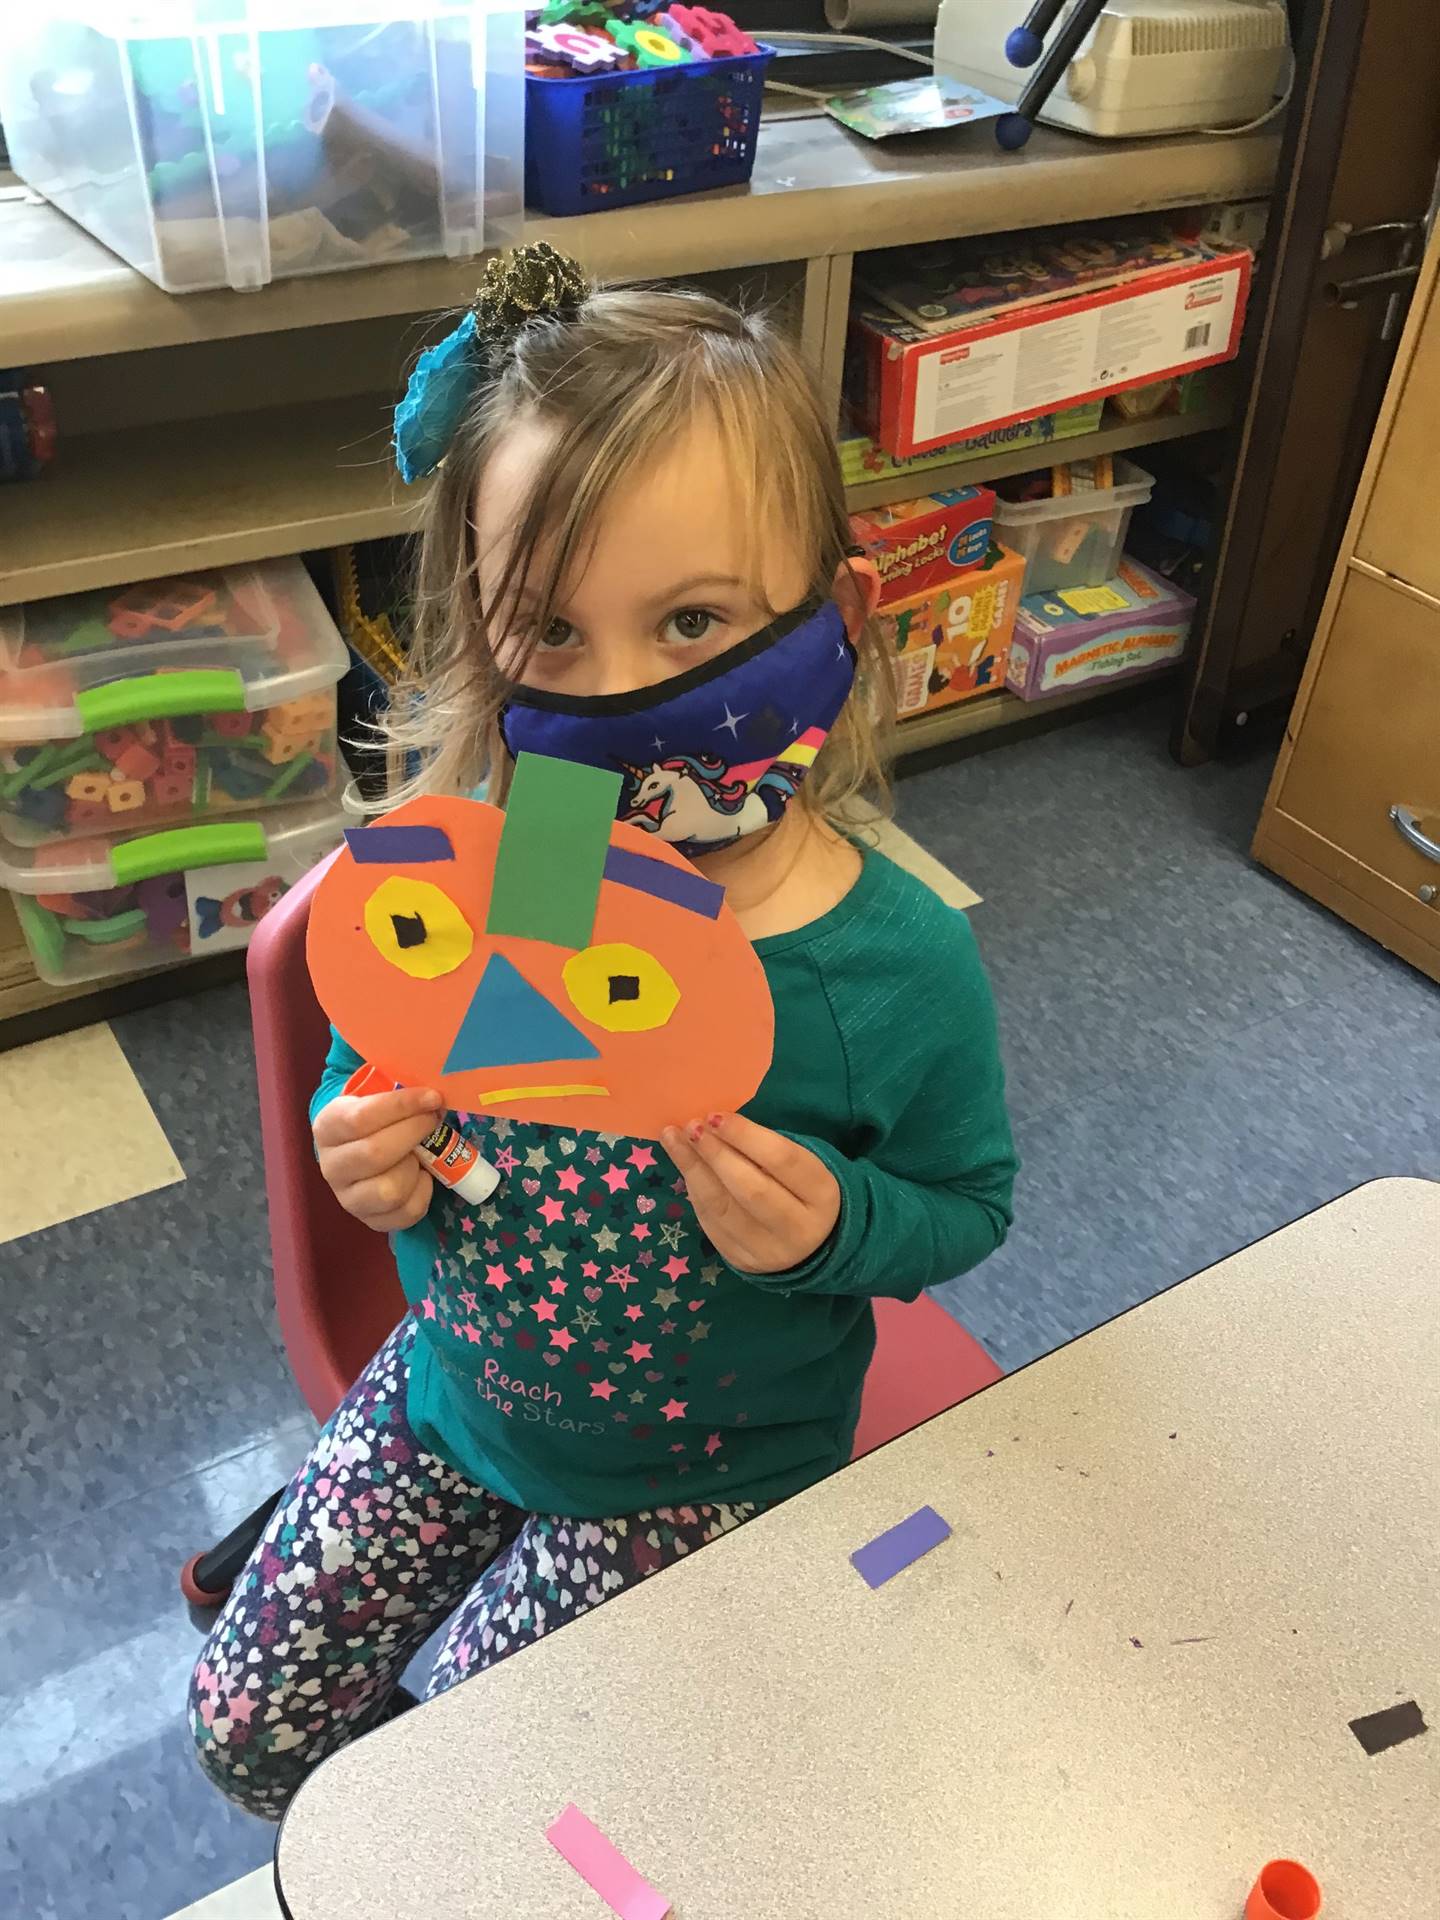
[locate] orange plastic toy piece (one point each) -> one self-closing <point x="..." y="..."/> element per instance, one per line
<point x="167" y="604"/>
<point x="88" y="786"/>
<point x="1283" y="1890"/>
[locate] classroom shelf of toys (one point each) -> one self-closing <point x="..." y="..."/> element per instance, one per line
<point x="222" y="427"/>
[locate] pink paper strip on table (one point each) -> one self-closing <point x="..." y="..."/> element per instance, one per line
<point x="605" y="1868"/>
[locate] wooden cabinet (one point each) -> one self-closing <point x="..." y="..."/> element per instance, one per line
<point x="1353" y="812"/>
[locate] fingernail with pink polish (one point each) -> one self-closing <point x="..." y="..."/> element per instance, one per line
<point x="697" y="1132"/>
<point x="717" y="1120"/>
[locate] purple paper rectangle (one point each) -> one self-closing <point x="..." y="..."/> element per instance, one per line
<point x="885" y="1556"/>
<point x="683" y="889"/>
<point x="399" y="846"/>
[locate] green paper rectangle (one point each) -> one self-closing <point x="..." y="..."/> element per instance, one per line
<point x="552" y="851"/>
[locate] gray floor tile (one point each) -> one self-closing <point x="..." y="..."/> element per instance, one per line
<point x="88" y="1419"/>
<point x="130" y="1834"/>
<point x="1130" y="1189"/>
<point x="1124" y="925"/>
<point x="108" y="1579"/>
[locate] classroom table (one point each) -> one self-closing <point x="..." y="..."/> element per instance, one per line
<point x="1188" y="1550"/>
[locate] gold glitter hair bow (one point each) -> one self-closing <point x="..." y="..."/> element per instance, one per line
<point x="530" y="283"/>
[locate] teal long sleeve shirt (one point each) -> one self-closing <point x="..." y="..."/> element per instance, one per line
<point x="584" y="1350"/>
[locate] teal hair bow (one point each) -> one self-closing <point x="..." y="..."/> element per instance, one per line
<point x="435" y="401"/>
<point x="532" y="283"/>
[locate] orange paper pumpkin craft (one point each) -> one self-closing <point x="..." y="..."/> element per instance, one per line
<point x="544" y="963"/>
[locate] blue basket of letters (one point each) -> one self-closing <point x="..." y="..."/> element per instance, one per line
<point x="615" y="139"/>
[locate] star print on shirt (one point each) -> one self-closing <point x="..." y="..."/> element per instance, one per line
<point x="537" y="1159"/>
<point x="602" y="1389"/>
<point x="616" y="1177"/>
<point x="569" y="1180"/>
<point x="606" y="1239"/>
<point x="562" y="1337"/>
<point x="674" y="1409"/>
<point x="551" y="1211"/>
<point x="666" y="1298"/>
<point x="553" y="1257"/>
<point x="641" y="1157"/>
<point x="544" y="1309"/>
<point x="497" y="1277"/>
<point x="675" y="1268"/>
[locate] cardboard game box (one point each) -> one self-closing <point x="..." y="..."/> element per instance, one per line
<point x="1012" y="362"/>
<point x="1079" y="636"/>
<point x="950" y="643"/>
<point x="917" y="544"/>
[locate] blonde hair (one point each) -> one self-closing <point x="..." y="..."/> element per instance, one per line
<point x="623" y="378"/>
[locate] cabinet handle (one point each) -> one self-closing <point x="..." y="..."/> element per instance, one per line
<point x="1407" y="823"/>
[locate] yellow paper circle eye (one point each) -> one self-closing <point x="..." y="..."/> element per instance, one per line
<point x="417" y="927"/>
<point x="620" y="988"/>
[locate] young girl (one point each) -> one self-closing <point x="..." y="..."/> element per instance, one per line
<point x="635" y="556"/>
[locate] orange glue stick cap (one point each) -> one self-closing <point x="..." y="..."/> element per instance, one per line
<point x="1284" y="1890"/>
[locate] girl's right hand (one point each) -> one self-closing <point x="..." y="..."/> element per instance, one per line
<point x="366" y="1148"/>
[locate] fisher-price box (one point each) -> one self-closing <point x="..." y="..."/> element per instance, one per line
<point x="950" y="644"/>
<point x="123" y="903"/>
<point x="923" y="389"/>
<point x="918" y="544"/>
<point x="1081" y="636"/>
<point x="165" y="702"/>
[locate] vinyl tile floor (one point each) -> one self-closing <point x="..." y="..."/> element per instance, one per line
<point x="1196" y="1055"/>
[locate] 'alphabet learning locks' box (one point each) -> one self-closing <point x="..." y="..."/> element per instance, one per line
<point x="951" y="643"/>
<point x="917" y="544"/>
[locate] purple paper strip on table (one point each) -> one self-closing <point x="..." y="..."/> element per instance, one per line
<point x="892" y="1551"/>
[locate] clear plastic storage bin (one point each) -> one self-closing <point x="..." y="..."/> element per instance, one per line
<point x="90" y="909"/>
<point x="1076" y="539"/>
<point x="170" y="700"/>
<point x="216" y="143"/>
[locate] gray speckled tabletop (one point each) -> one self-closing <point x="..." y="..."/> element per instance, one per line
<point x="1188" y="1549"/>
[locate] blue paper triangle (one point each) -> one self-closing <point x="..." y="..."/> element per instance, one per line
<point x="509" y="1024"/>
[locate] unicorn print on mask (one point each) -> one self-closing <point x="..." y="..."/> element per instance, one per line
<point x="712" y="754"/>
<point x="697" y="799"/>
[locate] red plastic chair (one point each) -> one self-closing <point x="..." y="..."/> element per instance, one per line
<point x="336" y="1290"/>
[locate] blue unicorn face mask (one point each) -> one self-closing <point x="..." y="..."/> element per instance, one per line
<point x="712" y="754"/>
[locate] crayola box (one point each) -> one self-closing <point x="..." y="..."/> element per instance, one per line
<point x="918" y="544"/>
<point x="951" y="642"/>
<point x="1079" y="636"/>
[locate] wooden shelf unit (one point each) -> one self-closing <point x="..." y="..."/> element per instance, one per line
<point x="128" y="505"/>
<point x="1114" y="436"/>
<point x="817" y="191"/>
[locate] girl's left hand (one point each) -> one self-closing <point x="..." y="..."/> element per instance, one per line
<point x="765" y="1202"/>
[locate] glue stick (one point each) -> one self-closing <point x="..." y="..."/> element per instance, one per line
<point x="445" y="1153"/>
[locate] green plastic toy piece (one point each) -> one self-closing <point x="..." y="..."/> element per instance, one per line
<point x="105" y="933"/>
<point x="43" y="931"/>
<point x="90" y="636"/>
<point x="87" y="761"/>
<point x="287" y="775"/>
